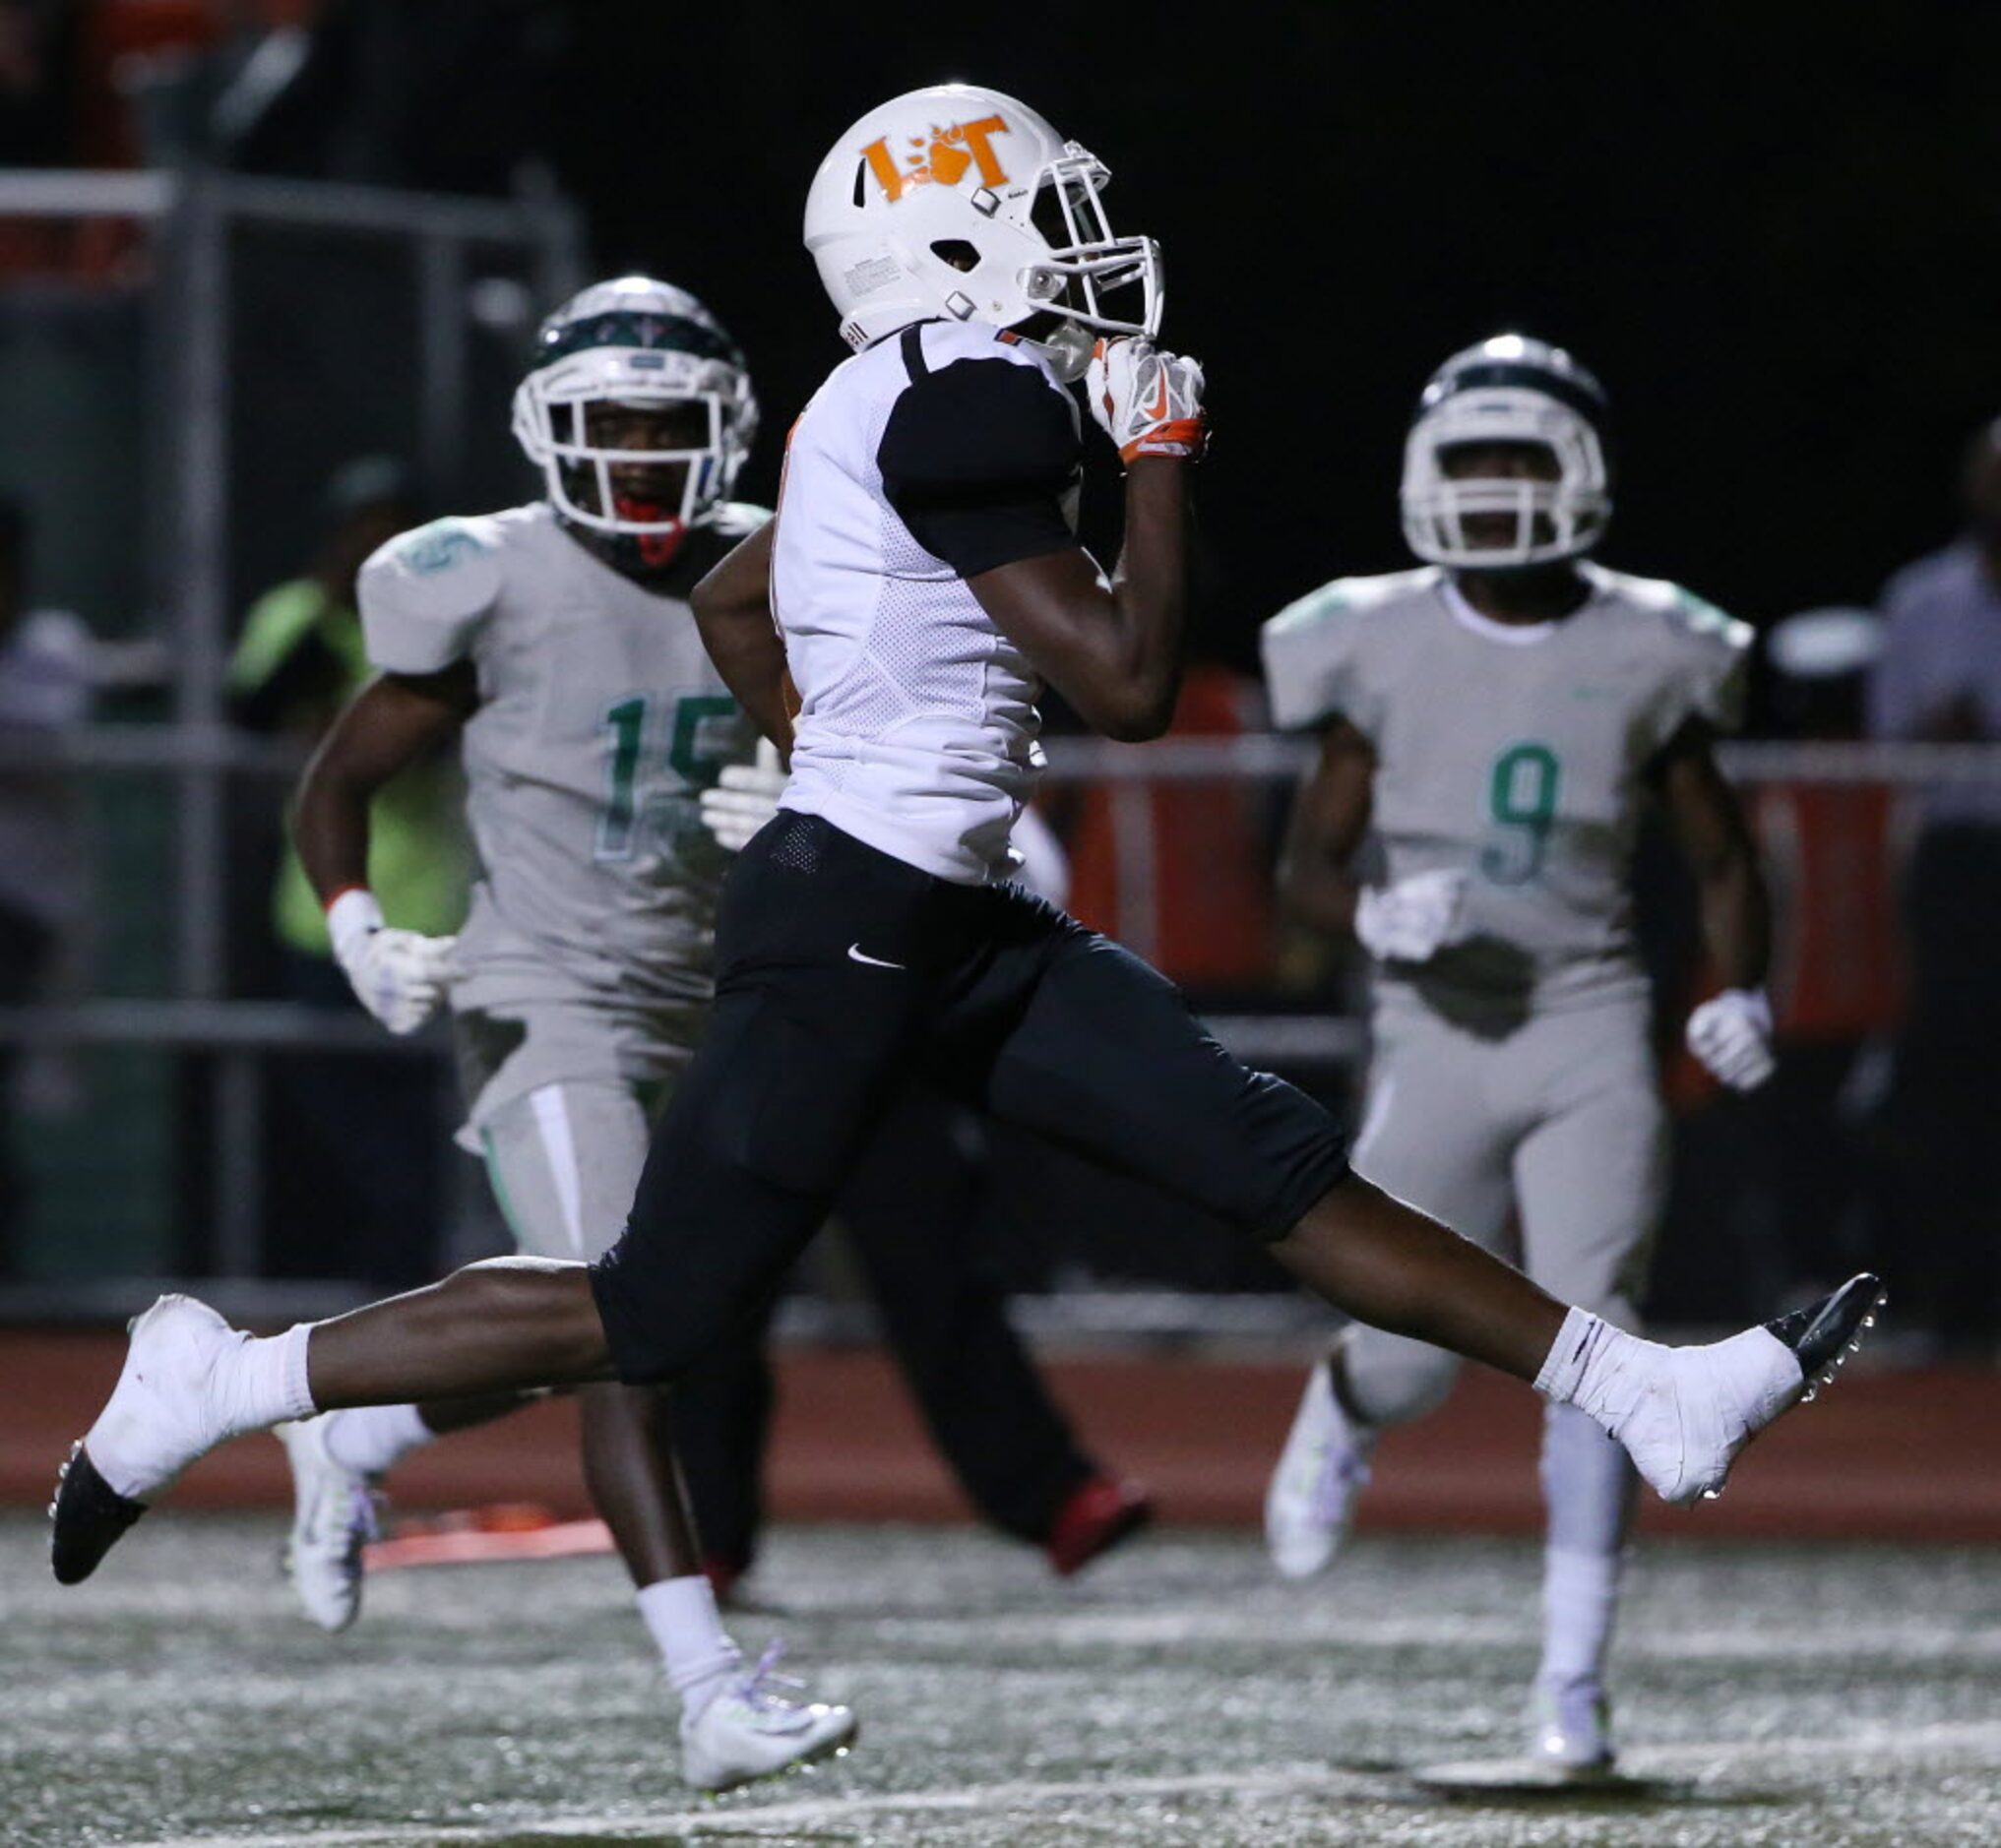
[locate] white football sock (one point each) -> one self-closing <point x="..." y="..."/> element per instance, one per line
<point x="1601" y="1370"/>
<point x="688" y="1630"/>
<point x="1580" y="1599"/>
<point x="371" y="1440"/>
<point x="260" y="1380"/>
<point x="1588" y="1484"/>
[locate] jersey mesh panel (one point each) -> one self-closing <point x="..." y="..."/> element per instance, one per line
<point x="899" y="672"/>
<point x="903" y="647"/>
<point x="795" y="843"/>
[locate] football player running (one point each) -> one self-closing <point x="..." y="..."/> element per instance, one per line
<point x="555" y="645"/>
<point x="922" y="579"/>
<point x="1492" y="724"/>
<point x="572" y="1021"/>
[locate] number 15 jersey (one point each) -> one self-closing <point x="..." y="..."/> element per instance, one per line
<point x="1514" y="753"/>
<point x="600" y="720"/>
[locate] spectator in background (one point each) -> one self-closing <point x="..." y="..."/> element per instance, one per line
<point x="44" y="689"/>
<point x="50" y="668"/>
<point x="356" y="1166"/>
<point x="1939" y="680"/>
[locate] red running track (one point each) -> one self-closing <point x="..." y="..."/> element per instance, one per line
<point x="1884" y="1455"/>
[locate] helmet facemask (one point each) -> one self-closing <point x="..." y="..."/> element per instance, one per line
<point x="1504" y="521"/>
<point x="653" y="491"/>
<point x="1085" y="265"/>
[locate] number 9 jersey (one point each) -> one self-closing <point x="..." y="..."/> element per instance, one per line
<point x="600" y="721"/>
<point x="1514" y="753"/>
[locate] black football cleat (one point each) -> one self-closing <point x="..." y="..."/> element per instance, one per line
<point x="86" y="1519"/>
<point x="1823" y="1335"/>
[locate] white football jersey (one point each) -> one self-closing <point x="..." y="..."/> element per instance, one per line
<point x="1513" y="752"/>
<point x="600" y="721"/>
<point x="939" y="453"/>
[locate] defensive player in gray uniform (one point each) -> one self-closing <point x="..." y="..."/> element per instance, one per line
<point x="1491" y="726"/>
<point x="553" y="644"/>
<point x="921" y="578"/>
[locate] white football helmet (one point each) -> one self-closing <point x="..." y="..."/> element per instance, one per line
<point x="963" y="204"/>
<point x="634" y="341"/>
<point x="1508" y="390"/>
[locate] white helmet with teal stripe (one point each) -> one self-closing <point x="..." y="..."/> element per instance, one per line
<point x="639" y="411"/>
<point x="1517" y="394"/>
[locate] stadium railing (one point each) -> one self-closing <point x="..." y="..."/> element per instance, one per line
<point x="178" y="355"/>
<point x="244" y="1034"/>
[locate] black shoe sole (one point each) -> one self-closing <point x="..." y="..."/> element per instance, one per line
<point x="1824" y="1333"/>
<point x="86" y="1519"/>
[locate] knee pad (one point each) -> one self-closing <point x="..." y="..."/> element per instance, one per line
<point x="1390" y="1379"/>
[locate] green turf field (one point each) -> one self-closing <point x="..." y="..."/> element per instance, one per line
<point x="1828" y="1697"/>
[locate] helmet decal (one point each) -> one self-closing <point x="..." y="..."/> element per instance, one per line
<point x="942" y="156"/>
<point x="960" y="203"/>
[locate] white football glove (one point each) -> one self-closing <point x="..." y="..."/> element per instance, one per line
<point x="744" y="798"/>
<point x="1732" y="1034"/>
<point x="1148" y="402"/>
<point x="1414" y="919"/>
<point x="400" y="976"/>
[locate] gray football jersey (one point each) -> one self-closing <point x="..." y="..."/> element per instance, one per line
<point x="600" y="720"/>
<point x="1514" y="753"/>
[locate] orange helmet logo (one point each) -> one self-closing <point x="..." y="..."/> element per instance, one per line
<point x="941" y="157"/>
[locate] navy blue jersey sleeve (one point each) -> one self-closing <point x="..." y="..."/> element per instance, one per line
<point x="978" y="459"/>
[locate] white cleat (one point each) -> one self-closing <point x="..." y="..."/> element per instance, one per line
<point x="754" y="1729"/>
<point x="332" y="1519"/>
<point x="1324" y="1466"/>
<point x="1570" y="1730"/>
<point x="1695" y="1408"/>
<point x="155" y="1423"/>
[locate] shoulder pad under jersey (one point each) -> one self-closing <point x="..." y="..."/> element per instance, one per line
<point x="1704" y="654"/>
<point x="424" y="593"/>
<point x="1311" y="649"/>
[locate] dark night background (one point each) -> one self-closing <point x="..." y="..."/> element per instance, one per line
<point x="1772" y="227"/>
<point x="1772" y="230"/>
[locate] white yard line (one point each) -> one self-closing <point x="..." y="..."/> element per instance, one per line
<point x="1981" y="1736"/>
<point x="748" y="1819"/>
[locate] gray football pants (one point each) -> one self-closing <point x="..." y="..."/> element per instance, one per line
<point x="563" y="1161"/>
<point x="1556" y="1130"/>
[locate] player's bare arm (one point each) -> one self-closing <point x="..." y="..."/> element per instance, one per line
<point x="394" y="721"/>
<point x="1328" y="820"/>
<point x="734" y="611"/>
<point x="1115" y="654"/>
<point x="1732" y="1032"/>
<point x="398" y="975"/>
<point x="1716" y="842"/>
